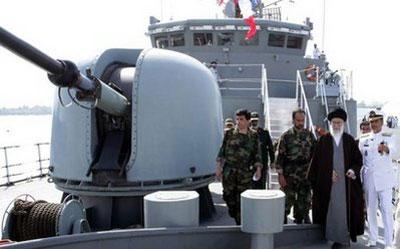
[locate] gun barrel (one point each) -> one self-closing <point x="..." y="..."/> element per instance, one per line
<point x="66" y="74"/>
<point x="30" y="53"/>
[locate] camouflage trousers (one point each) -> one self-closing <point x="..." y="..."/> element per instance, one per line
<point x="234" y="182"/>
<point x="298" y="195"/>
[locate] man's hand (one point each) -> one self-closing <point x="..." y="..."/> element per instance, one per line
<point x="282" y="180"/>
<point x="335" y="177"/>
<point x="350" y="174"/>
<point x="258" y="173"/>
<point x="383" y="148"/>
<point x="218" y="172"/>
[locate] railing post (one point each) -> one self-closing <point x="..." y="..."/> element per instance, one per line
<point x="6" y="166"/>
<point x="301" y="102"/>
<point x="266" y="97"/>
<point x="317" y="82"/>
<point x="297" y="86"/>
<point x="40" y="160"/>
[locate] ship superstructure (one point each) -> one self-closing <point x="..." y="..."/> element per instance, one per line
<point x="270" y="73"/>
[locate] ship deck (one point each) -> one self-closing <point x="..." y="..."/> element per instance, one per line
<point x="41" y="189"/>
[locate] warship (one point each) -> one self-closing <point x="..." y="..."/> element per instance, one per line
<point x="128" y="182"/>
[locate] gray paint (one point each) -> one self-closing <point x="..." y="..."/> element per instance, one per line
<point x="184" y="100"/>
<point x="229" y="237"/>
<point x="281" y="64"/>
<point x="176" y="125"/>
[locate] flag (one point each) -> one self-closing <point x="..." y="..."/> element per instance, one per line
<point x="253" y="29"/>
<point x="247" y="12"/>
<point x="246" y="9"/>
<point x="254" y="3"/>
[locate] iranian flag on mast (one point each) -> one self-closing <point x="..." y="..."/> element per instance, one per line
<point x="247" y="13"/>
<point x="246" y="9"/>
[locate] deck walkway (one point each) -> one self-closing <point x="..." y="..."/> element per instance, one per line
<point x="41" y="189"/>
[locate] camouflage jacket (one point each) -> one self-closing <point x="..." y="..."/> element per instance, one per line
<point x="295" y="150"/>
<point x="240" y="150"/>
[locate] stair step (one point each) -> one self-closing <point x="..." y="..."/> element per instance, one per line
<point x="240" y="84"/>
<point x="241" y="92"/>
<point x="280" y="111"/>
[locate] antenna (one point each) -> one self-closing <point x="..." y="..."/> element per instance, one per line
<point x="323" y="28"/>
<point x="162" y="10"/>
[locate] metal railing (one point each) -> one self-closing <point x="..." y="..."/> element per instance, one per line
<point x="11" y="171"/>
<point x="271" y="13"/>
<point x="346" y="83"/>
<point x="301" y="99"/>
<point x="343" y="92"/>
<point x="321" y="91"/>
<point x="265" y="97"/>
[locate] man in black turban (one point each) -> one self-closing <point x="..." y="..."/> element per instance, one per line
<point x="335" y="178"/>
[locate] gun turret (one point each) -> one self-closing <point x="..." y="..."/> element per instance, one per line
<point x="115" y="154"/>
<point x="63" y="73"/>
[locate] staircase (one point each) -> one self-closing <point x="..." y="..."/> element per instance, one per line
<point x="281" y="115"/>
<point x="241" y="87"/>
<point x="246" y="86"/>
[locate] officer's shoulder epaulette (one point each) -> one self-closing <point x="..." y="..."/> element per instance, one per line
<point x="386" y="134"/>
<point x="365" y="135"/>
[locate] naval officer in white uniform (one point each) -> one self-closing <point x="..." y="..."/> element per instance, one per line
<point x="377" y="149"/>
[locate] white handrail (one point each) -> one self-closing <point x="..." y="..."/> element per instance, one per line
<point x="321" y="90"/>
<point x="324" y="99"/>
<point x="343" y="99"/>
<point x="265" y="93"/>
<point x="301" y="95"/>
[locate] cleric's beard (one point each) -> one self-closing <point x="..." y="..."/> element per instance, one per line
<point x="336" y="133"/>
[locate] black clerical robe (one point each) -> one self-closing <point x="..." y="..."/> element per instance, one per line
<point x="320" y="176"/>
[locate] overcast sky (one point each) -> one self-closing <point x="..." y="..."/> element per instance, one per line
<point x="360" y="36"/>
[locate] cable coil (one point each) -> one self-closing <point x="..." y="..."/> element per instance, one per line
<point x="33" y="220"/>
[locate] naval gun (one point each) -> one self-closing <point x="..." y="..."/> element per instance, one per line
<point x="155" y="125"/>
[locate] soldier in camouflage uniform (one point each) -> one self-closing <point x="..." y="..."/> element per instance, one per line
<point x="295" y="150"/>
<point x="229" y="124"/>
<point x="267" y="150"/>
<point x="240" y="151"/>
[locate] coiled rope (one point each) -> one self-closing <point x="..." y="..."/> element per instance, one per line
<point x="33" y="220"/>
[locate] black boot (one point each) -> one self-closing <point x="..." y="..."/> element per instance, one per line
<point x="298" y="221"/>
<point x="285" y="220"/>
<point x="307" y="219"/>
<point x="237" y="220"/>
<point x="336" y="246"/>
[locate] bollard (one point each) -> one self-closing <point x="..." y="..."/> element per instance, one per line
<point x="262" y="213"/>
<point x="171" y="209"/>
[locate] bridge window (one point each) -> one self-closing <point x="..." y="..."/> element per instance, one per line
<point x="225" y="39"/>
<point x="202" y="39"/>
<point x="177" y="40"/>
<point x="162" y="42"/>
<point x="276" y="40"/>
<point x="252" y="42"/>
<point x="294" y="42"/>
